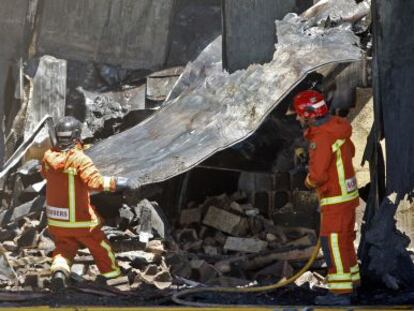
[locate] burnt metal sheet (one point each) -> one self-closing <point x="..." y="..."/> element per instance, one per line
<point x="210" y="109"/>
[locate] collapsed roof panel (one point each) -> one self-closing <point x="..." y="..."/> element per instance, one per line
<point x="210" y="109"/>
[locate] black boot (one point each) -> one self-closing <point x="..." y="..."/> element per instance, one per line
<point x="58" y="282"/>
<point x="331" y="299"/>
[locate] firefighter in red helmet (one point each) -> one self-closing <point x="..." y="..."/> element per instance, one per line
<point x="332" y="175"/>
<point x="72" y="220"/>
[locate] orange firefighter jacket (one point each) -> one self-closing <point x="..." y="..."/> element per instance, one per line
<point x="330" y="163"/>
<point x="70" y="176"/>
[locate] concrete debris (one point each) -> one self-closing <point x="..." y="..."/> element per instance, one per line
<point x="270" y="237"/>
<point x="263" y="260"/>
<point x="246" y="245"/>
<point x="126" y="216"/>
<point x="189" y="216"/>
<point x="26" y="248"/>
<point x="78" y="269"/>
<point x="9" y="246"/>
<point x="226" y="236"/>
<point x="155" y="275"/>
<point x="180" y="264"/>
<point x="137" y="257"/>
<point x="45" y="243"/>
<point x="279" y="270"/>
<point x="7" y="234"/>
<point x="211" y="250"/>
<point x="145" y="224"/>
<point x="202" y="271"/>
<point x="118" y="281"/>
<point x="29" y="238"/>
<point x="225" y="221"/>
<point x="155" y="247"/>
<point x="158" y="221"/>
<point x="6" y="269"/>
<point x="236" y="207"/>
<point x="306" y="240"/>
<point x="32" y="209"/>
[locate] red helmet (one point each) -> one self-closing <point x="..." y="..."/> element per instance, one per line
<point x="310" y="104"/>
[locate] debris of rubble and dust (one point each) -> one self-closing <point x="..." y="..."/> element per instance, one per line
<point x="222" y="240"/>
<point x="226" y="238"/>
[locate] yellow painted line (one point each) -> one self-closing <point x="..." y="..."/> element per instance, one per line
<point x="232" y="308"/>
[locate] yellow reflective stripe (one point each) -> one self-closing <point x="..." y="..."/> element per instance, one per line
<point x="112" y="274"/>
<point x="338" y="143"/>
<point x="339" y="199"/>
<point x="71" y="193"/>
<point x="339" y="277"/>
<point x="354" y="269"/>
<point x="111" y="255"/>
<point x="336" y="253"/>
<point x="340" y="285"/>
<point x="78" y="224"/>
<point x="345" y="196"/>
<point x="355" y="277"/>
<point x="107" y="183"/>
<point x="340" y="169"/>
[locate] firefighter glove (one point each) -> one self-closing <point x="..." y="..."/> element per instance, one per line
<point x="126" y="184"/>
<point x="301" y="157"/>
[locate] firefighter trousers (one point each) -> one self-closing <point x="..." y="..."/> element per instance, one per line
<point x="337" y="241"/>
<point x="98" y="245"/>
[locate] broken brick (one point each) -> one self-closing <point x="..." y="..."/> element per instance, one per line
<point x="225" y="221"/>
<point x="210" y="250"/>
<point x="247" y="245"/>
<point x="278" y="270"/>
<point x="189" y="216"/>
<point x="202" y="271"/>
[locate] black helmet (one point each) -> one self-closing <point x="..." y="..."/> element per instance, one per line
<point x="68" y="133"/>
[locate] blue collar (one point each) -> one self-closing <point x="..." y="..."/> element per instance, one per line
<point x="322" y="120"/>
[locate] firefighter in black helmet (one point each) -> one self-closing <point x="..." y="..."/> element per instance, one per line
<point x="72" y="219"/>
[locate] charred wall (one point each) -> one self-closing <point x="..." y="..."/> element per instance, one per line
<point x="393" y="76"/>
<point x="249" y="31"/>
<point x="130" y="33"/>
<point x="195" y="24"/>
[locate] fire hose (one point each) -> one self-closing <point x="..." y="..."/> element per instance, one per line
<point x="177" y="296"/>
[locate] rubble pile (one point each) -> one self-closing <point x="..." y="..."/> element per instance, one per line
<point x="137" y="237"/>
<point x="227" y="241"/>
<point x="224" y="241"/>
